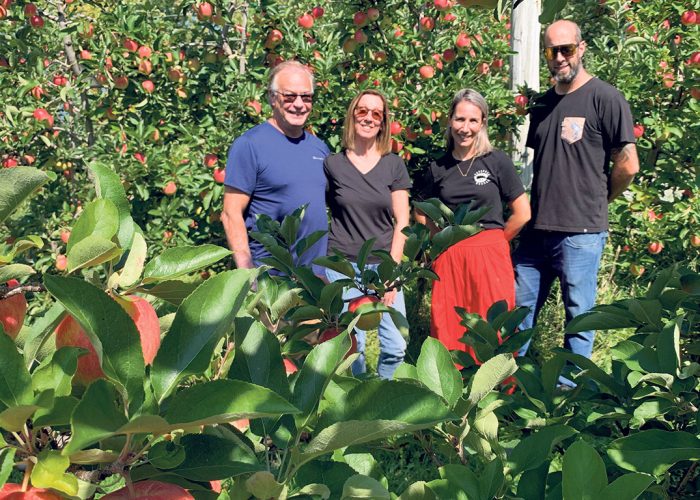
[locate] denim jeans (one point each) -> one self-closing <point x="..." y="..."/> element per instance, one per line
<point x="392" y="345"/>
<point x="574" y="258"/>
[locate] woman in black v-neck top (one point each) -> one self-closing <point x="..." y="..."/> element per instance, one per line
<point x="367" y="196"/>
<point x="475" y="272"/>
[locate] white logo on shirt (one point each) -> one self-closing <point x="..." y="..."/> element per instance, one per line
<point x="481" y="177"/>
<point x="317" y="158"/>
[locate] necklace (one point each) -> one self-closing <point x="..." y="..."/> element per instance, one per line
<point x="464" y="174"/>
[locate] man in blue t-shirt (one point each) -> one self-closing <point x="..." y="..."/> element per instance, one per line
<point x="276" y="167"/>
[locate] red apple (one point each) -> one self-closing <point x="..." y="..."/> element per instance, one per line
<point x="12" y="491"/>
<point x="43" y="116"/>
<point x="361" y="36"/>
<point x="689" y="17"/>
<point x="367" y="321"/>
<point x="121" y="82"/>
<point x="463" y="41"/>
<point x="131" y="45"/>
<point x="210" y="160"/>
<point x="10" y="162"/>
<point x="449" y="17"/>
<point x="36" y="21"/>
<point x="65" y="235"/>
<point x="305" y="21"/>
<point x="360" y="19"/>
<point x="449" y="55"/>
<point x="289" y="366"/>
<point x="170" y="188"/>
<point x="144" y="51"/>
<point x="30" y="10"/>
<point x="274" y="37"/>
<point x="426" y="72"/>
<point x="331" y="333"/>
<point x="176" y="75"/>
<point x="61" y="262"/>
<point x="140" y="157"/>
<point x="148" y="86"/>
<point x="12" y="311"/>
<point x="317" y="12"/>
<point x="145" y="67"/>
<point x="60" y="80"/>
<point x="70" y="333"/>
<point x="85" y="55"/>
<point x="373" y="13"/>
<point x="146" y="321"/>
<point x="521" y="100"/>
<point x="695" y="240"/>
<point x="442" y="4"/>
<point x="37" y="92"/>
<point x="655" y="247"/>
<point x="395" y="128"/>
<point x="427" y="23"/>
<point x="638" y="130"/>
<point x="204" y="10"/>
<point x="694" y="59"/>
<point x="150" y="490"/>
<point x="3" y="12"/>
<point x="396" y="146"/>
<point x="219" y="175"/>
<point x="695" y="93"/>
<point x="636" y="270"/>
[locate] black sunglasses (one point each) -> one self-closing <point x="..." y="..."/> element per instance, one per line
<point x="568" y="50"/>
<point x="290" y="97"/>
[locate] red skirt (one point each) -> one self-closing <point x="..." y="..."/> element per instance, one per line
<point x="474" y="274"/>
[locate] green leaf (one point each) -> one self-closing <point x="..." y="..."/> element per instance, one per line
<point x="173" y="291"/>
<point x="315" y="374"/>
<point x="491" y="479"/>
<point x="592" y="371"/>
<point x="584" y="473"/>
<point x="668" y="347"/>
<point x="362" y="255"/>
<point x="201" y="320"/>
<point x="99" y="218"/>
<point x="59" y="414"/>
<point x="450" y="236"/>
<point x="654" y="451"/>
<point x="223" y="401"/>
<point x="15" y="271"/>
<point x="17" y="184"/>
<point x="110" y="330"/>
<point x="7" y="462"/>
<point x="489" y="375"/>
<point x="95" y="417"/>
<point x="166" y="454"/>
<point x="56" y="372"/>
<point x="600" y="320"/>
<point x="532" y="451"/>
<point x="208" y="458"/>
<point x="133" y="267"/>
<point x="91" y="251"/>
<point x="437" y="371"/>
<point x="418" y="491"/>
<point x="109" y="187"/>
<point x="359" y="486"/>
<point x="174" y="262"/>
<point x="15" y="382"/>
<point x="337" y="263"/>
<point x="462" y="478"/>
<point x="262" y="484"/>
<point x="629" y="486"/>
<point x="550" y="9"/>
<point x="50" y="472"/>
<point x="41" y="332"/>
<point x="14" y="418"/>
<point x="257" y="358"/>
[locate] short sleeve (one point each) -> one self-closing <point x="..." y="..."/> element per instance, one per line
<point x="400" y="173"/>
<point x="509" y="181"/>
<point x="241" y="166"/>
<point x="616" y="120"/>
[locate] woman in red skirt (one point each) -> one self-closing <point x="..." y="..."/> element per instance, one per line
<point x="478" y="271"/>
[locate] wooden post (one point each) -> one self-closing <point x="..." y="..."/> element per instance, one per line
<point x="525" y="70"/>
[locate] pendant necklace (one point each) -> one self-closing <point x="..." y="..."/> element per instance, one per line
<point x="464" y="174"/>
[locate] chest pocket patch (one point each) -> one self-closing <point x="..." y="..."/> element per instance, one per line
<point x="481" y="177"/>
<point x="572" y="128"/>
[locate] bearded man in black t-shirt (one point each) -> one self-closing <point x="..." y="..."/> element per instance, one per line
<point x="576" y="128"/>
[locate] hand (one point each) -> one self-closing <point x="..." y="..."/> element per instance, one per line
<point x="389" y="297"/>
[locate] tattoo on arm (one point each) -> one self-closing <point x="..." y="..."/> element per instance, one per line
<point x="623" y="154"/>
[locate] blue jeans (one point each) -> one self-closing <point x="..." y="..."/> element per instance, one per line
<point x="392" y="345"/>
<point x="574" y="258"/>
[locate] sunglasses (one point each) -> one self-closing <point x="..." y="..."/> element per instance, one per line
<point x="376" y="114"/>
<point x="291" y="97"/>
<point x="568" y="50"/>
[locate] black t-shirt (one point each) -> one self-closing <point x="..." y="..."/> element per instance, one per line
<point x="573" y="135"/>
<point x="491" y="181"/>
<point x="360" y="204"/>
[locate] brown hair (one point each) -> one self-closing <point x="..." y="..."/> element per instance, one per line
<point x="383" y="140"/>
<point x="483" y="145"/>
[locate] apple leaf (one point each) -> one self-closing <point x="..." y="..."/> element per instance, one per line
<point x="98" y="218"/>
<point x="109" y="187"/>
<point x="133" y="267"/>
<point x="56" y="372"/>
<point x="201" y="320"/>
<point x="532" y="451"/>
<point x="437" y="372"/>
<point x="223" y="401"/>
<point x="15" y="271"/>
<point x="7" y="462"/>
<point x="654" y="451"/>
<point x="91" y="251"/>
<point x="17" y="184"/>
<point x="15" y="382"/>
<point x="209" y="458"/>
<point x="359" y="486"/>
<point x="109" y="328"/>
<point x="583" y="472"/>
<point x="50" y="472"/>
<point x="174" y="262"/>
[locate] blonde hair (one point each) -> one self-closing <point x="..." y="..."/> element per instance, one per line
<point x="383" y="140"/>
<point x="482" y="143"/>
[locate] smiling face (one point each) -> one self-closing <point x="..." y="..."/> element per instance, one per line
<point x="289" y="109"/>
<point x="564" y="69"/>
<point x="465" y="124"/>
<point x="369" y="117"/>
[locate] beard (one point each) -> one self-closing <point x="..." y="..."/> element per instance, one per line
<point x="568" y="77"/>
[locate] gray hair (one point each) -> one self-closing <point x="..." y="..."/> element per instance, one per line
<point x="287" y="65"/>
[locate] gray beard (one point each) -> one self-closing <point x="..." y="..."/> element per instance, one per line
<point x="568" y="78"/>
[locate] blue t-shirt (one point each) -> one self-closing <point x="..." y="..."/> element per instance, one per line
<point x="280" y="174"/>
